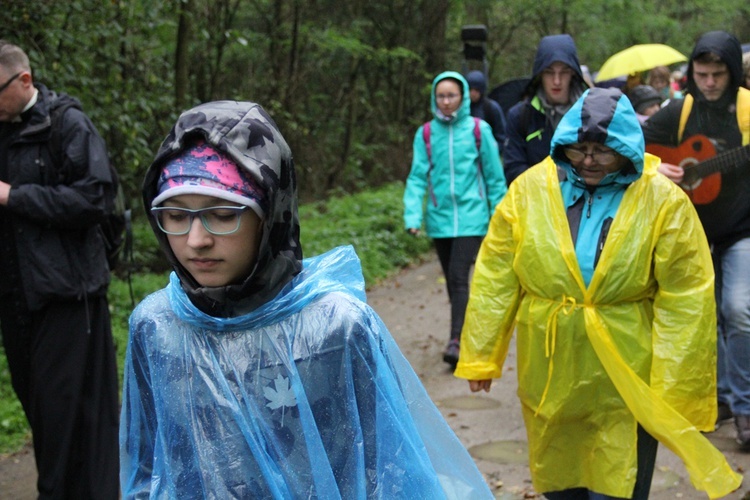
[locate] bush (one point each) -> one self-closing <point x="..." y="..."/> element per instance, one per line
<point x="371" y="221"/>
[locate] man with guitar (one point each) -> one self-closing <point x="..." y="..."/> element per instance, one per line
<point x="703" y="141"/>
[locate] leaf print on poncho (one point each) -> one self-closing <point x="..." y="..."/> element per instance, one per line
<point x="280" y="396"/>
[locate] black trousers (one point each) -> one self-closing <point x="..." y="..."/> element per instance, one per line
<point x="647" y="448"/>
<point x="457" y="255"/>
<point x="63" y="369"/>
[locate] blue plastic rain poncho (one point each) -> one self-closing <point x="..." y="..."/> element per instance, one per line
<point x="301" y="395"/>
<point x="637" y="345"/>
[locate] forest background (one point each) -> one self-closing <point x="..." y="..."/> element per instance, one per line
<point x="348" y="83"/>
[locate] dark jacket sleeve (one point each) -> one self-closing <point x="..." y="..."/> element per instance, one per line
<point x="78" y="198"/>
<point x="496" y="118"/>
<point x="514" y="153"/>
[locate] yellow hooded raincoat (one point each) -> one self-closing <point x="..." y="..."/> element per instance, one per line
<point x="637" y="346"/>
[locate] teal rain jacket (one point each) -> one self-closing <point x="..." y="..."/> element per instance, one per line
<point x="634" y="344"/>
<point x="461" y="190"/>
<point x="286" y="386"/>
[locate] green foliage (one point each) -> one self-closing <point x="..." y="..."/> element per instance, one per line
<point x="14" y="431"/>
<point x="371" y="221"/>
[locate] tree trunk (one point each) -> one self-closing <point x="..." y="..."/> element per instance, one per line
<point x="181" y="60"/>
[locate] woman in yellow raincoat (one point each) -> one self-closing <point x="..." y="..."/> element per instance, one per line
<point x="604" y="271"/>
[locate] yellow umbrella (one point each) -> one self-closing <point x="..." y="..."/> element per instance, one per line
<point x="638" y="58"/>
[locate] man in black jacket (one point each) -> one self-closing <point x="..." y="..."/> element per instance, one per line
<point x="53" y="283"/>
<point x="556" y="83"/>
<point x="713" y="109"/>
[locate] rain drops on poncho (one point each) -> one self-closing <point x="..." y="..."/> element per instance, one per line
<point x="307" y="397"/>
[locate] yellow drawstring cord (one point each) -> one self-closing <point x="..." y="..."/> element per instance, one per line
<point x="567" y="306"/>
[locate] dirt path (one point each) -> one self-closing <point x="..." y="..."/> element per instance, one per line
<point x="415" y="308"/>
<point x="18" y="475"/>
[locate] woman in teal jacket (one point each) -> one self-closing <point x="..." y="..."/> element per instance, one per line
<point x="456" y="163"/>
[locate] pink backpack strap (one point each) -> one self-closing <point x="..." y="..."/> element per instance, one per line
<point x="426" y="138"/>
<point x="478" y="141"/>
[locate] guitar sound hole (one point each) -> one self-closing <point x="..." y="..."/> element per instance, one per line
<point x="697" y="146"/>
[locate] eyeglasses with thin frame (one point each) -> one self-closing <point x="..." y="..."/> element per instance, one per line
<point x="600" y="157"/>
<point x="447" y="97"/>
<point x="10" y="80"/>
<point x="219" y="220"/>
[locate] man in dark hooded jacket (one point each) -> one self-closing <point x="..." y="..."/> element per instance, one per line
<point x="485" y="108"/>
<point x="557" y="83"/>
<point x="715" y="111"/>
<point x="53" y="283"/>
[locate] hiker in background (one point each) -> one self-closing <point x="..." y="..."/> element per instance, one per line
<point x="718" y="109"/>
<point x="54" y="313"/>
<point x="660" y="78"/>
<point x="455" y="165"/>
<point x="255" y="374"/>
<point x="485" y="108"/>
<point x="646" y="101"/>
<point x="605" y="277"/>
<point x="556" y="83"/>
<point x="746" y="70"/>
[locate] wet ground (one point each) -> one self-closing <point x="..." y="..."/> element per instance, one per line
<point x="415" y="308"/>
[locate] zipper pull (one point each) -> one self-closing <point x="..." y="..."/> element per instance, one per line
<point x="589" y="203"/>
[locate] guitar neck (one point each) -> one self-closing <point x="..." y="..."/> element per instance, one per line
<point x="722" y="162"/>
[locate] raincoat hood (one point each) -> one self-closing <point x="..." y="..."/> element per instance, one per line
<point x="476" y="80"/>
<point x="463" y="110"/>
<point x="249" y="136"/>
<point x="728" y="48"/>
<point x="555" y="48"/>
<point x="605" y="116"/>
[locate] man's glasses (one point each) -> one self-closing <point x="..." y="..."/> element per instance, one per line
<point x="11" y="80"/>
<point x="600" y="157"/>
<point x="447" y="97"/>
<point x="217" y="220"/>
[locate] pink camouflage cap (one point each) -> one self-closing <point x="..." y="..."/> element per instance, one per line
<point x="200" y="169"/>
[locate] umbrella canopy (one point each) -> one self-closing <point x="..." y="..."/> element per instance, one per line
<point x="638" y="58"/>
<point x="510" y="92"/>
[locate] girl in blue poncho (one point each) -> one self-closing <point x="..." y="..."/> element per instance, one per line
<point x="257" y="374"/>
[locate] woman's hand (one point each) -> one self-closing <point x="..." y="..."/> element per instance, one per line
<point x="480" y="385"/>
<point x="413" y="231"/>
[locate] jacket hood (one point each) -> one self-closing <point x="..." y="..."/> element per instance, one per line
<point x="250" y="137"/>
<point x="464" y="109"/>
<point x="477" y="80"/>
<point x="551" y="49"/>
<point x="728" y="48"/>
<point x="603" y="115"/>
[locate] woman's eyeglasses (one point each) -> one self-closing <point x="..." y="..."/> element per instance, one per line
<point x="217" y="220"/>
<point x="600" y="157"/>
<point x="447" y="97"/>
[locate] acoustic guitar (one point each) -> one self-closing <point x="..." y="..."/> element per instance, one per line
<point x="703" y="167"/>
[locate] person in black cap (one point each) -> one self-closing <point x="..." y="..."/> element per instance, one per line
<point x="646" y="101"/>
